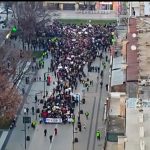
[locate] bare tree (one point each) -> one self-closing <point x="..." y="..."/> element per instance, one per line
<point x="9" y="101"/>
<point x="30" y="17"/>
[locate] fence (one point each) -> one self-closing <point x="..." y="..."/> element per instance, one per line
<point x="96" y="11"/>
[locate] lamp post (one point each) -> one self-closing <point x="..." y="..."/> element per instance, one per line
<point x="78" y="98"/>
<point x="44" y="81"/>
<point x="25" y="135"/>
<point x="26" y="119"/>
<point x="73" y="134"/>
<point x="36" y="104"/>
<point x="73" y="121"/>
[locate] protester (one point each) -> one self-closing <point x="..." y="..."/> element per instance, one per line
<point x="72" y="47"/>
<point x="45" y="132"/>
<point x="55" y="131"/>
<point x="50" y="138"/>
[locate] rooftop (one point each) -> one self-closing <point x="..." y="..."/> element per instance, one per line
<point x="137" y="125"/>
<point x="118" y="76"/>
<point x="144" y="46"/>
<point x="132" y="69"/>
<point x="116" y="124"/>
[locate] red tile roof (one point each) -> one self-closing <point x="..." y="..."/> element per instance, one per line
<point x="132" y="69"/>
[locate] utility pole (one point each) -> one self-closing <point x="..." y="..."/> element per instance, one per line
<point x="44" y="82"/>
<point x="79" y="109"/>
<point x="73" y="122"/>
<point x="25" y="135"/>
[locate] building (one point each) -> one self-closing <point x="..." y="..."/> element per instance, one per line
<point x="138" y="7"/>
<point x="147" y="8"/>
<point x="116" y="119"/>
<point x="75" y="5"/>
<point x="118" y="75"/>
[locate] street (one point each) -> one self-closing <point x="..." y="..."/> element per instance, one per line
<point x="95" y="99"/>
<point x="95" y="108"/>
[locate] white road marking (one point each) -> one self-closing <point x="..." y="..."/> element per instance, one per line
<point x="50" y="147"/>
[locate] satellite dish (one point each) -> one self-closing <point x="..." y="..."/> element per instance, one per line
<point x="134" y="35"/>
<point x="133" y="47"/>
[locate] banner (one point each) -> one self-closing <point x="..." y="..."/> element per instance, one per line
<point x="53" y="120"/>
<point x="56" y="120"/>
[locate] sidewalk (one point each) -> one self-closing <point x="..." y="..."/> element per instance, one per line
<point x="87" y="138"/>
<point x="5" y="133"/>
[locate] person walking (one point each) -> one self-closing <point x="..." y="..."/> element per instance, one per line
<point x="27" y="110"/>
<point x="23" y="91"/>
<point x="45" y="132"/>
<point x="87" y="115"/>
<point x="87" y="88"/>
<point x="106" y="87"/>
<point x="101" y="73"/>
<point x="50" y="138"/>
<point x="55" y="131"/>
<point x="91" y="82"/>
<point x="84" y="126"/>
<point x="32" y="110"/>
<point x="101" y="83"/>
<point x="98" y="135"/>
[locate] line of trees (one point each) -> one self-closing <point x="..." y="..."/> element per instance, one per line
<point x="29" y="17"/>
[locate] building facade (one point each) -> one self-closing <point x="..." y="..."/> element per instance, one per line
<point x="147" y="8"/>
<point x="76" y="5"/>
<point x="140" y="8"/>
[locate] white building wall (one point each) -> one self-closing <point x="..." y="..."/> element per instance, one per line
<point x="146" y="8"/>
<point x="139" y="7"/>
<point x="135" y="4"/>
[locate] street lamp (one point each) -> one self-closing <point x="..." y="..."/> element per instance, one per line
<point x="78" y="98"/>
<point x="73" y="121"/>
<point x="44" y="81"/>
<point x="36" y="104"/>
<point x="26" y="120"/>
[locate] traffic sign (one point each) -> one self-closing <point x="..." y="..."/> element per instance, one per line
<point x="26" y="119"/>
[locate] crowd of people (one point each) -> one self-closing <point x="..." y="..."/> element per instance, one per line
<point x="72" y="47"/>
